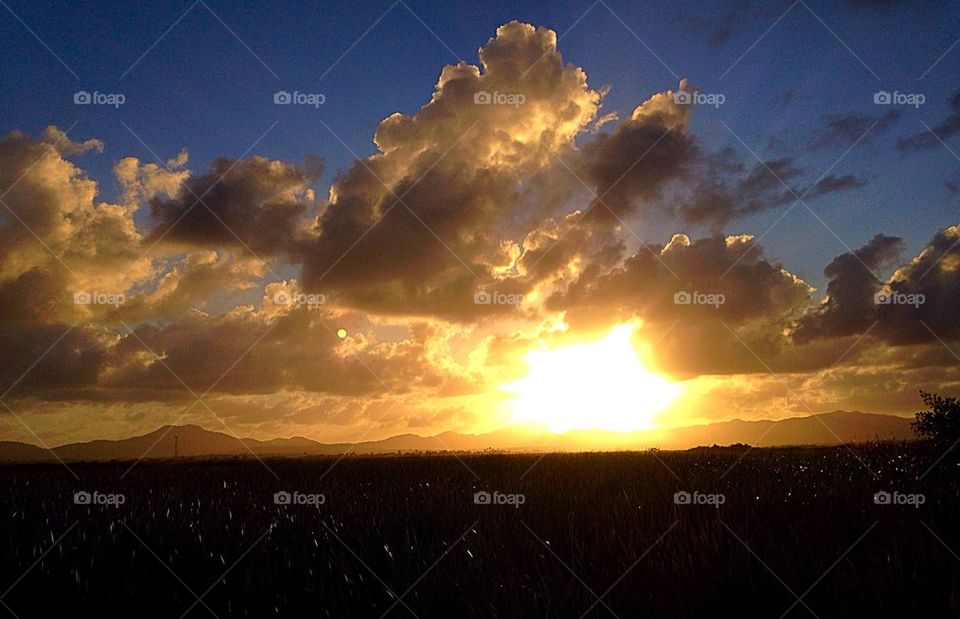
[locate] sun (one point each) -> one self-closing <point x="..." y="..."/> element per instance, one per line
<point x="599" y="385"/>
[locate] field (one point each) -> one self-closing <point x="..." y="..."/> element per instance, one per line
<point x="766" y="533"/>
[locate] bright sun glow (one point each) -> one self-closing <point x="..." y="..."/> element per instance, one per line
<point x="602" y="385"/>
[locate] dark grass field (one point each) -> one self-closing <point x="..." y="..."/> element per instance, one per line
<point x="798" y="534"/>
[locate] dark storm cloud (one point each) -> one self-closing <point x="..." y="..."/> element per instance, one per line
<point x="917" y="304"/>
<point x="849" y="306"/>
<point x="252" y="202"/>
<point x="36" y="296"/>
<point x="639" y="157"/>
<point x="944" y="130"/>
<point x="47" y="359"/>
<point x="723" y="189"/>
<point x="651" y="155"/>
<point x="40" y="354"/>
<point x="844" y="130"/>
<point x="421" y="258"/>
<point x="726" y="189"/>
<point x="934" y="276"/>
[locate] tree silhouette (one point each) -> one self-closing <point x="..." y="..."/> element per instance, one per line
<point x="941" y="423"/>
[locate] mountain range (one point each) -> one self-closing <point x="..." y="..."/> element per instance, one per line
<point x="193" y="441"/>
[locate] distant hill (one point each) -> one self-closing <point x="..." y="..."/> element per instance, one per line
<point x="194" y="441"/>
<point x="823" y="429"/>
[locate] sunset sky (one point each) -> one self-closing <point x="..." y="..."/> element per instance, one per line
<point x="426" y="216"/>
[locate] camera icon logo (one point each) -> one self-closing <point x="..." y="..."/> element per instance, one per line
<point x="482" y="97"/>
<point x="882" y="298"/>
<point x="682" y="498"/>
<point x="482" y="498"/>
<point x="682" y="298"/>
<point x="82" y="498"/>
<point x="82" y="97"/>
<point x="282" y="298"/>
<point x="482" y="297"/>
<point x="882" y="498"/>
<point x="682" y="97"/>
<point x="282" y="97"/>
<point x="282" y="498"/>
<point x="82" y="298"/>
<point x="882" y="97"/>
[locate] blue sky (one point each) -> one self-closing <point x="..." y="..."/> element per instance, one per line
<point x="199" y="87"/>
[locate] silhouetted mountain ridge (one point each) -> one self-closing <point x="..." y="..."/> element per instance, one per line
<point x="194" y="441"/>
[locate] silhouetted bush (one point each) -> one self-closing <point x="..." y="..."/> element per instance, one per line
<point x="941" y="423"/>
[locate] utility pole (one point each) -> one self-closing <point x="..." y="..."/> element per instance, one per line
<point x="176" y="446"/>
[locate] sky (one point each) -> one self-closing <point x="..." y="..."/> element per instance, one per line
<point x="313" y="268"/>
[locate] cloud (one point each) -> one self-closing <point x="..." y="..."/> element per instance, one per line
<point x="75" y="364"/>
<point x="144" y="182"/>
<point x="844" y="130"/>
<point x="640" y="156"/>
<point x="724" y="24"/>
<point x="58" y="139"/>
<point x="942" y="131"/>
<point x="280" y="347"/>
<point x="935" y="274"/>
<point x="411" y="230"/>
<point x="724" y="189"/>
<point x="252" y="203"/>
<point x="193" y="281"/>
<point x="646" y="285"/>
<point x="691" y="294"/>
<point x="52" y="219"/>
<point x="784" y="100"/>
<point x="849" y="307"/>
<point x="916" y="304"/>
<point x="832" y="184"/>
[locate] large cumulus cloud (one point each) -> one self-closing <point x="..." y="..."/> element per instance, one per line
<point x="413" y="228"/>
